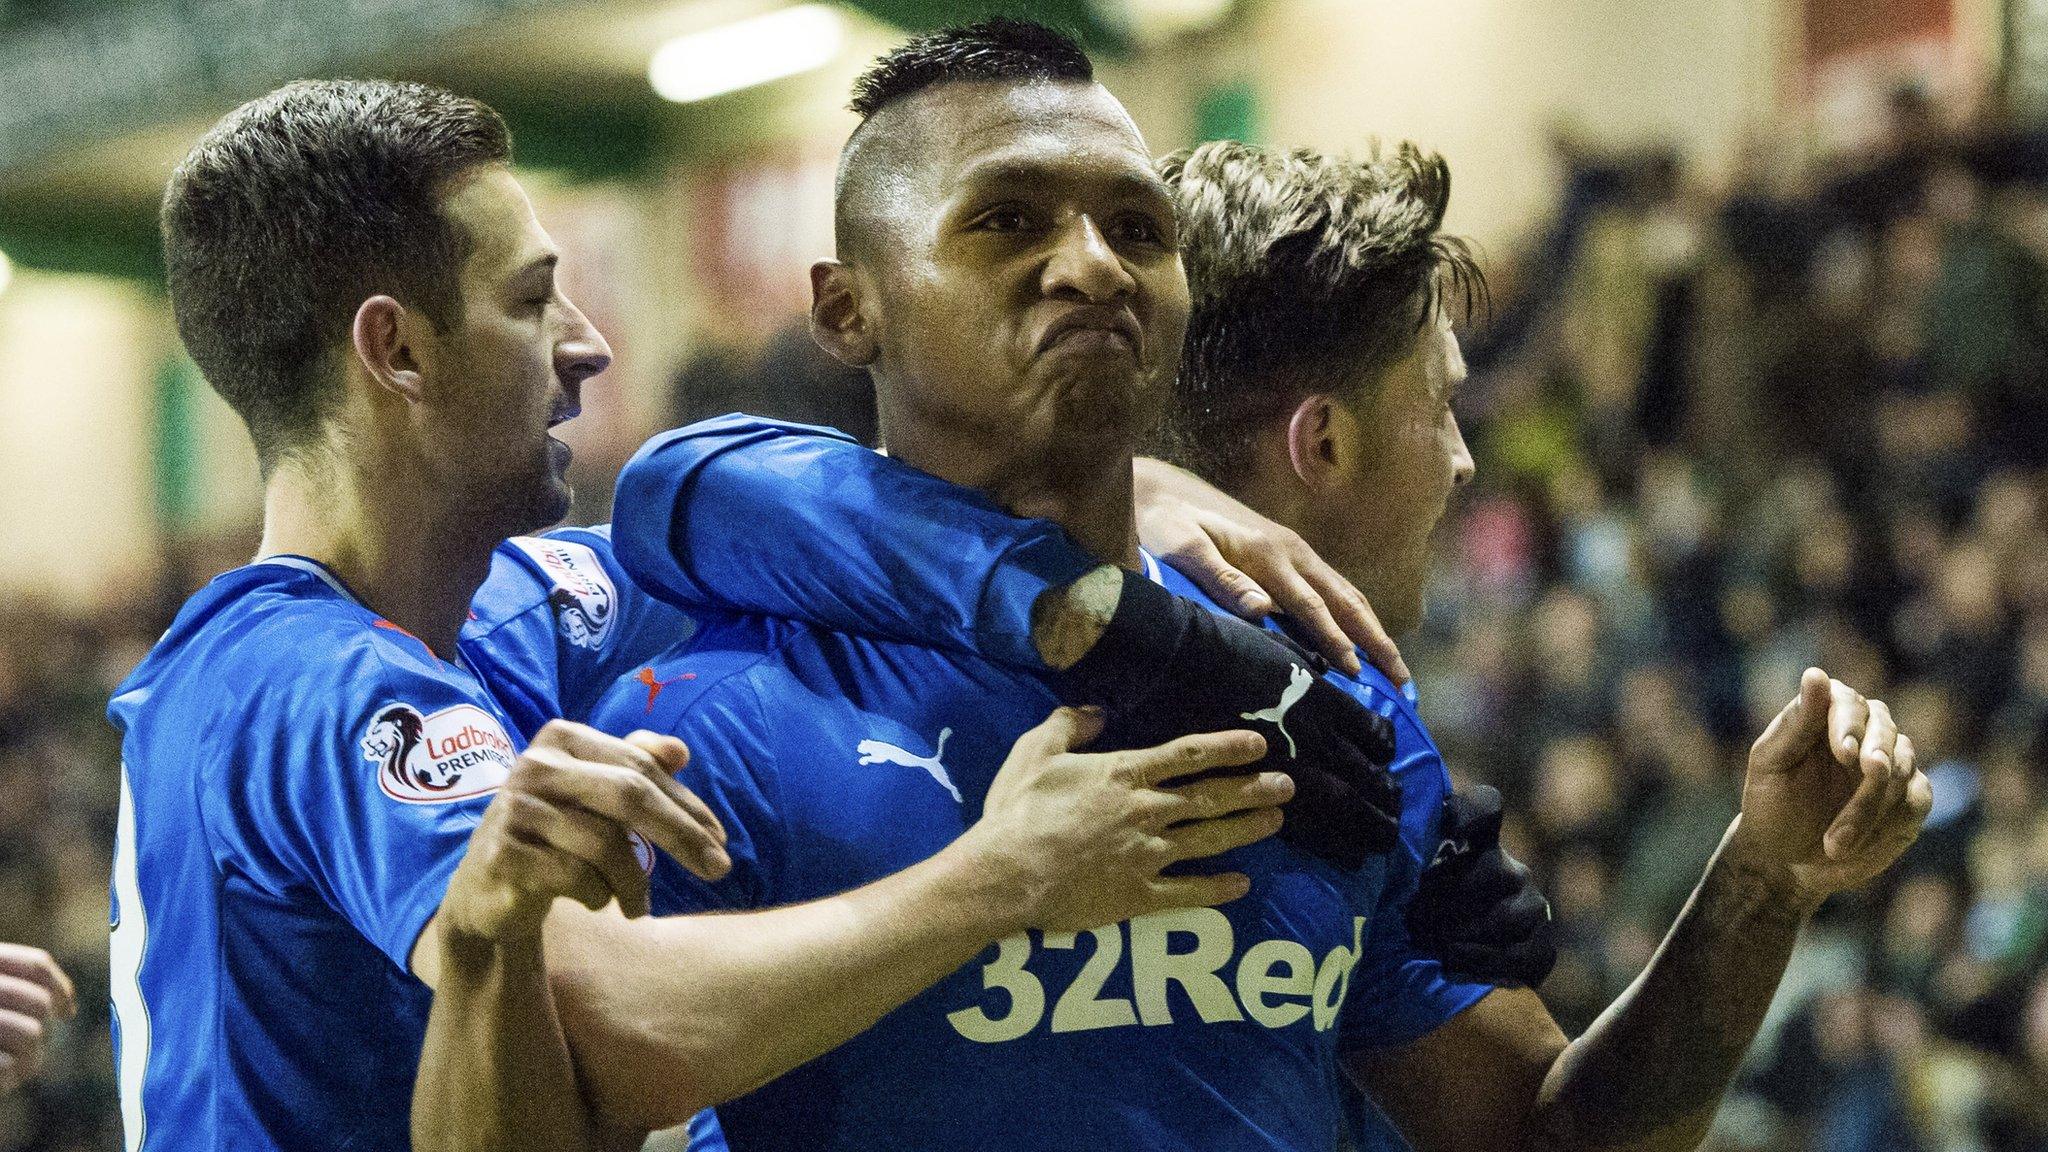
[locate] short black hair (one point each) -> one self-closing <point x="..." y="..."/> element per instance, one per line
<point x="298" y="206"/>
<point x="1306" y="273"/>
<point x="1000" y="48"/>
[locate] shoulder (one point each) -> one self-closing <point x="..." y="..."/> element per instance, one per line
<point x="275" y="635"/>
<point x="571" y="571"/>
<point x="775" y="688"/>
<point x="377" y="701"/>
<point x="713" y="684"/>
<point x="1418" y="765"/>
<point x="320" y="658"/>
<point x="722" y="433"/>
<point x="285" y="680"/>
<point x="1372" y="689"/>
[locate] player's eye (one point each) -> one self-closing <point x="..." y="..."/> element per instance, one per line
<point x="1003" y="218"/>
<point x="1139" y="228"/>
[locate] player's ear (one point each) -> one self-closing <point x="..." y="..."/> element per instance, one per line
<point x="837" y="322"/>
<point x="1320" y="441"/>
<point x="386" y="339"/>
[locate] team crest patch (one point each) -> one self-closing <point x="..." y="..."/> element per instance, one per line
<point x="584" y="600"/>
<point x="452" y="754"/>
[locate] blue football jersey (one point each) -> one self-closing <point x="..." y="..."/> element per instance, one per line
<point x="761" y="506"/>
<point x="835" y="760"/>
<point x="300" y="778"/>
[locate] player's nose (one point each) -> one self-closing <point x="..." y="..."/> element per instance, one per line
<point x="1463" y="467"/>
<point x="582" y="351"/>
<point x="1085" y="266"/>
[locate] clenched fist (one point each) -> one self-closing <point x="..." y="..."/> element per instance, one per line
<point x="1832" y="796"/>
<point x="560" y="828"/>
<point x="33" y="992"/>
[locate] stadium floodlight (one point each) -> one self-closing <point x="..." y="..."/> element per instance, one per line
<point x="740" y="55"/>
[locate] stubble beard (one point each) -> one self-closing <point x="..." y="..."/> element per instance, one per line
<point x="537" y="500"/>
<point x="1111" y="409"/>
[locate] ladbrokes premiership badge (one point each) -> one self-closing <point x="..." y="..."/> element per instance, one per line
<point x="584" y="600"/>
<point x="452" y="754"/>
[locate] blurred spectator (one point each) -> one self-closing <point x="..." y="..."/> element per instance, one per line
<point x="790" y="379"/>
<point x="1734" y="437"/>
<point x="59" y="787"/>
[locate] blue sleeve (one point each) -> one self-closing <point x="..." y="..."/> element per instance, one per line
<point x="362" y="784"/>
<point x="565" y="621"/>
<point x="1398" y="993"/>
<point x="705" y="1133"/>
<point x="803" y="523"/>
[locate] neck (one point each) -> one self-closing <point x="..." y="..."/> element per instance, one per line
<point x="1341" y="535"/>
<point x="1279" y="496"/>
<point x="1088" y="495"/>
<point x="1094" y="504"/>
<point x="411" y="559"/>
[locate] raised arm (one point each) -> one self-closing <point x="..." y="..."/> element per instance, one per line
<point x="1832" y="798"/>
<point x="497" y="1072"/>
<point x="804" y="523"/>
<point x="33" y="992"/>
<point x="668" y="1016"/>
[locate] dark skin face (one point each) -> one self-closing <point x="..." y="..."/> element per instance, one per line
<point x="1013" y="280"/>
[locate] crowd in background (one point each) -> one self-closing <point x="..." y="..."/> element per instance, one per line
<point x="1721" y="436"/>
<point x="59" y="788"/>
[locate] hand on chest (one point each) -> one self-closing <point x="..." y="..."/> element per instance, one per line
<point x="1280" y="958"/>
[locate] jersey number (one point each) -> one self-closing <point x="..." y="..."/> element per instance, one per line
<point x="1275" y="982"/>
<point x="131" y="1014"/>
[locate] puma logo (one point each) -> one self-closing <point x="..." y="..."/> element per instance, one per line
<point x="881" y="752"/>
<point x="1449" y="850"/>
<point x="1297" y="687"/>
<point x="655" y="684"/>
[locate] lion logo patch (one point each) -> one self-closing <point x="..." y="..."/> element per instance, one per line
<point x="583" y="598"/>
<point x="453" y="754"/>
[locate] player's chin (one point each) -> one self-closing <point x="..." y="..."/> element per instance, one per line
<point x="1105" y="398"/>
<point x="547" y="495"/>
<point x="555" y="500"/>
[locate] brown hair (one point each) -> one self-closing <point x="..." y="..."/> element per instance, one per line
<point x="298" y="206"/>
<point x="1307" y="274"/>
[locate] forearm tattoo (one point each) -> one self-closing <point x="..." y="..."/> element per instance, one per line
<point x="1651" y="1070"/>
